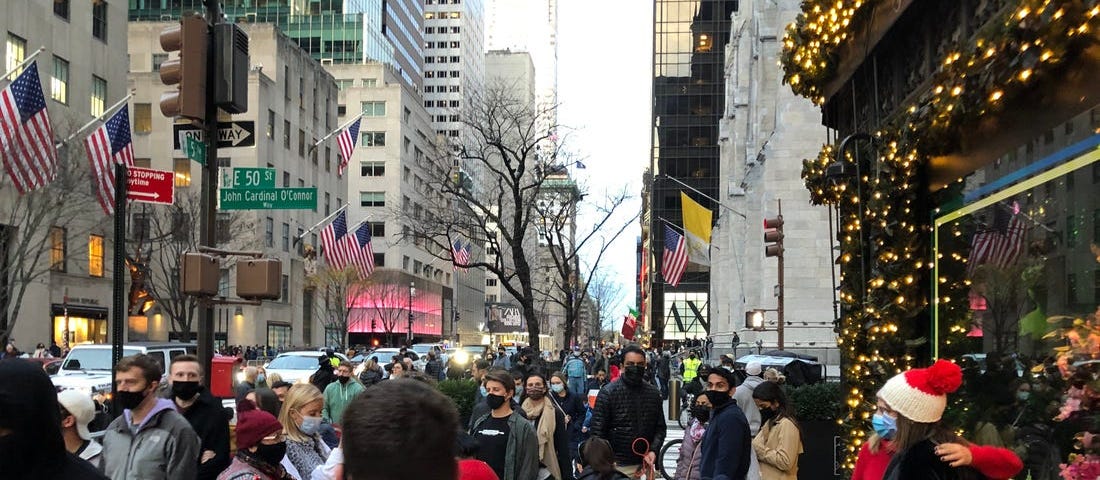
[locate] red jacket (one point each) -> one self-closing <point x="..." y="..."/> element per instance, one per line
<point x="994" y="462"/>
<point x="473" y="469"/>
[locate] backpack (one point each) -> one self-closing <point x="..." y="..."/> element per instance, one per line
<point x="575" y="368"/>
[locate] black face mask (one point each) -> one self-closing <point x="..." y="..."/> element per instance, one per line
<point x="700" y="412"/>
<point x="717" y="398"/>
<point x="271" y="454"/>
<point x="767" y="414"/>
<point x="343" y="379"/>
<point x="185" y="390"/>
<point x="129" y="400"/>
<point x="633" y="375"/>
<point x="494" y="401"/>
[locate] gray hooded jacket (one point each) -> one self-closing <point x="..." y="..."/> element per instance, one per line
<point x="743" y="397"/>
<point x="164" y="447"/>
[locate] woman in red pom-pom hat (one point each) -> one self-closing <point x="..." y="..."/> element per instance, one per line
<point x="917" y="398"/>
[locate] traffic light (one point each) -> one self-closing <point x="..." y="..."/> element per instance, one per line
<point x="191" y="38"/>
<point x="754" y="319"/>
<point x="773" y="236"/>
<point x="259" y="278"/>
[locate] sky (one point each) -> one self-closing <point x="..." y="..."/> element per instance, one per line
<point x="604" y="92"/>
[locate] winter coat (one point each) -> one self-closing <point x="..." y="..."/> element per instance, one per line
<point x="211" y="423"/>
<point x="164" y="447"/>
<point x="574" y="406"/>
<point x="743" y="397"/>
<point x="434" y="369"/>
<point x="777" y="448"/>
<point x="322" y="377"/>
<point x="522" y="453"/>
<point x="687" y="464"/>
<point x="370" y="377"/>
<point x="625" y="413"/>
<point x="920" y="462"/>
<point x="589" y="474"/>
<point x="337" y="397"/>
<point x="243" y="469"/>
<point x="664" y="369"/>
<point x="727" y="447"/>
<point x="306" y="456"/>
<point x="993" y="462"/>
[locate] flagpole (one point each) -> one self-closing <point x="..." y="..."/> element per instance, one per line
<point x="318" y="224"/>
<point x="708" y="197"/>
<point x="673" y="225"/>
<point x="345" y="125"/>
<point x="24" y="62"/>
<point x="95" y="120"/>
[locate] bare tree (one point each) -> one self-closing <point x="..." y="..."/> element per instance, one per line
<point x="565" y="246"/>
<point x="383" y="302"/>
<point x="607" y="293"/>
<point x="491" y="198"/>
<point x="161" y="235"/>
<point x="66" y="204"/>
<point x="333" y="291"/>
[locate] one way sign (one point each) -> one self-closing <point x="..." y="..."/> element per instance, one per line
<point x="230" y="134"/>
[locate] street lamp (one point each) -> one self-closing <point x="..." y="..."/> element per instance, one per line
<point x="412" y="292"/>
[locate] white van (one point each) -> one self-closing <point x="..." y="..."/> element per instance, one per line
<point x="88" y="367"/>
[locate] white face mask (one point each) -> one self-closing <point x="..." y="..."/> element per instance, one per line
<point x="310" y="425"/>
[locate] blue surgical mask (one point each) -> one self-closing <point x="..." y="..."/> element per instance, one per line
<point x="557" y="387"/>
<point x="260" y="378"/>
<point x="310" y="425"/>
<point x="484" y="391"/>
<point x="885" y="426"/>
<point x="1023" y="395"/>
<point x="519" y="391"/>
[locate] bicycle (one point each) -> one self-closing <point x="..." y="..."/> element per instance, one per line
<point x="684" y="418"/>
<point x="666" y="460"/>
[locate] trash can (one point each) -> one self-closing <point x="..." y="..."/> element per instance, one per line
<point x="223" y="368"/>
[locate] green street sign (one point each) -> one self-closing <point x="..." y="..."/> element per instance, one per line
<point x="195" y="150"/>
<point x="252" y="178"/>
<point x="267" y="199"/>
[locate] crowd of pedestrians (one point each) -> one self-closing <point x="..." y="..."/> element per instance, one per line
<point x="599" y="417"/>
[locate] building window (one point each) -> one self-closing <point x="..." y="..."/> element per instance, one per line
<point x="269" y="232"/>
<point x="405" y="144"/>
<point x="95" y="255"/>
<point x="455" y="89"/>
<point x="99" y="95"/>
<point x="344" y="84"/>
<point x="374" y="109"/>
<point x="143" y="162"/>
<point x="377" y="229"/>
<point x="372" y="169"/>
<point x="58" y="247"/>
<point x="224" y="223"/>
<point x="307" y="315"/>
<point x="285" y="294"/>
<point x="454" y="59"/>
<point x="286" y="134"/>
<point x="271" y="124"/>
<point x="328" y="200"/>
<point x="158" y="60"/>
<point x="143" y="118"/>
<point x="455" y="44"/>
<point x="286" y="81"/>
<point x="302" y="92"/>
<point x="372" y="199"/>
<point x="379" y="260"/>
<point x="490" y="282"/>
<point x="456" y="29"/>
<point x="182" y="168"/>
<point x="454" y="104"/>
<point x="429" y="74"/>
<point x="441" y="73"/>
<point x="491" y="298"/>
<point x="99" y="19"/>
<point x="418" y="267"/>
<point x="16" y="52"/>
<point x="61" y="8"/>
<point x="278" y="335"/>
<point x="405" y="263"/>
<point x="328" y="159"/>
<point x="59" y="85"/>
<point x="374" y="139"/>
<point x="453" y="118"/>
<point x="286" y="237"/>
<point x="428" y="104"/>
<point x="429" y="59"/>
<point x="301" y="143"/>
<point x="370" y="82"/>
<point x="286" y="179"/>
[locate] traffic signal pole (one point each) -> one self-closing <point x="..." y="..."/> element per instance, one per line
<point x="209" y="199"/>
<point x="779" y="301"/>
<point x="773" y="247"/>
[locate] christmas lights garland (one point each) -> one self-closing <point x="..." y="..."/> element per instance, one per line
<point x="1024" y="45"/>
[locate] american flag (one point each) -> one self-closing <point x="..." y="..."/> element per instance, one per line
<point x="675" y="258"/>
<point x="1000" y="244"/>
<point x="346" y="141"/>
<point x="363" y="254"/>
<point x="107" y="145"/>
<point x="26" y="137"/>
<point x="461" y="255"/>
<point x="333" y="244"/>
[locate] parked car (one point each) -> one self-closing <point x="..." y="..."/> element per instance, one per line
<point x="88" y="367"/>
<point x="297" y="367"/>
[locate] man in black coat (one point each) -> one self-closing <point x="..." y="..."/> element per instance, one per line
<point x="627" y="409"/>
<point x="204" y="412"/>
<point x="664" y="372"/>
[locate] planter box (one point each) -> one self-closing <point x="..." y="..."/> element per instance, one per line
<point x="818" y="460"/>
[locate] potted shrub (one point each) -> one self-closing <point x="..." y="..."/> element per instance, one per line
<point x="817" y="408"/>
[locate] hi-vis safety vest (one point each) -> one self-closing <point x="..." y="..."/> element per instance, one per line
<point x="691" y="368"/>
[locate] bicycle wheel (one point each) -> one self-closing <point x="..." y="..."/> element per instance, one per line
<point x="666" y="462"/>
<point x="684" y="419"/>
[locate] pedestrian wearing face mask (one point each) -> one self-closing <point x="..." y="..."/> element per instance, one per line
<point x="779" y="443"/>
<point x="573" y="405"/>
<point x="875" y="454"/>
<point x="727" y="446"/>
<point x="150" y="440"/>
<point x="340" y="393"/>
<point x="203" y="412"/>
<point x="550" y="427"/>
<point x="743" y="395"/>
<point x="508" y="441"/>
<point x="261" y="446"/>
<point x="627" y="410"/>
<point x="687" y="464"/>
<point x="301" y="419"/>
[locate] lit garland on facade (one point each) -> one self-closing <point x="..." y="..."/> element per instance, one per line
<point x="1023" y="47"/>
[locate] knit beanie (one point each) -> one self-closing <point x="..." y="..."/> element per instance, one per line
<point x="753" y="368"/>
<point x="253" y="425"/>
<point x="920" y="394"/>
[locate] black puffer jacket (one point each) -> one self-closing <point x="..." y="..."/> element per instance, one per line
<point x="623" y="414"/>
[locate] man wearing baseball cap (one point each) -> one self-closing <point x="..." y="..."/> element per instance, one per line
<point x="743" y="395"/>
<point x="77" y="411"/>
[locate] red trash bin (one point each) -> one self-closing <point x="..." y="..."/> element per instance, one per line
<point x="221" y="377"/>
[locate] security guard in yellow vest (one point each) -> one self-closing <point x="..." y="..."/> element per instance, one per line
<point x="691" y="367"/>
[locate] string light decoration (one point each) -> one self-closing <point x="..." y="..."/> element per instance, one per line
<point x="1020" y="48"/>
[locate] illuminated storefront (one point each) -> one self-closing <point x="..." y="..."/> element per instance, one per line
<point x="83" y="324"/>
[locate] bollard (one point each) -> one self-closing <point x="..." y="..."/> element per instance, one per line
<point x="673" y="399"/>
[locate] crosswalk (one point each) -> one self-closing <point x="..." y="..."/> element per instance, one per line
<point x="673" y="433"/>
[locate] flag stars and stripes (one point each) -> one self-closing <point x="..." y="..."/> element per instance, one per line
<point x="346" y="142"/>
<point x="674" y="261"/>
<point x="27" y="149"/>
<point x="108" y="145"/>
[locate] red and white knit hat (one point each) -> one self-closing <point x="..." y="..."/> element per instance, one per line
<point x="920" y="394"/>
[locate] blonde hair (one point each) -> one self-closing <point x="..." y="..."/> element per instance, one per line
<point x="773" y="375"/>
<point x="299" y="395"/>
<point x="273" y="378"/>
